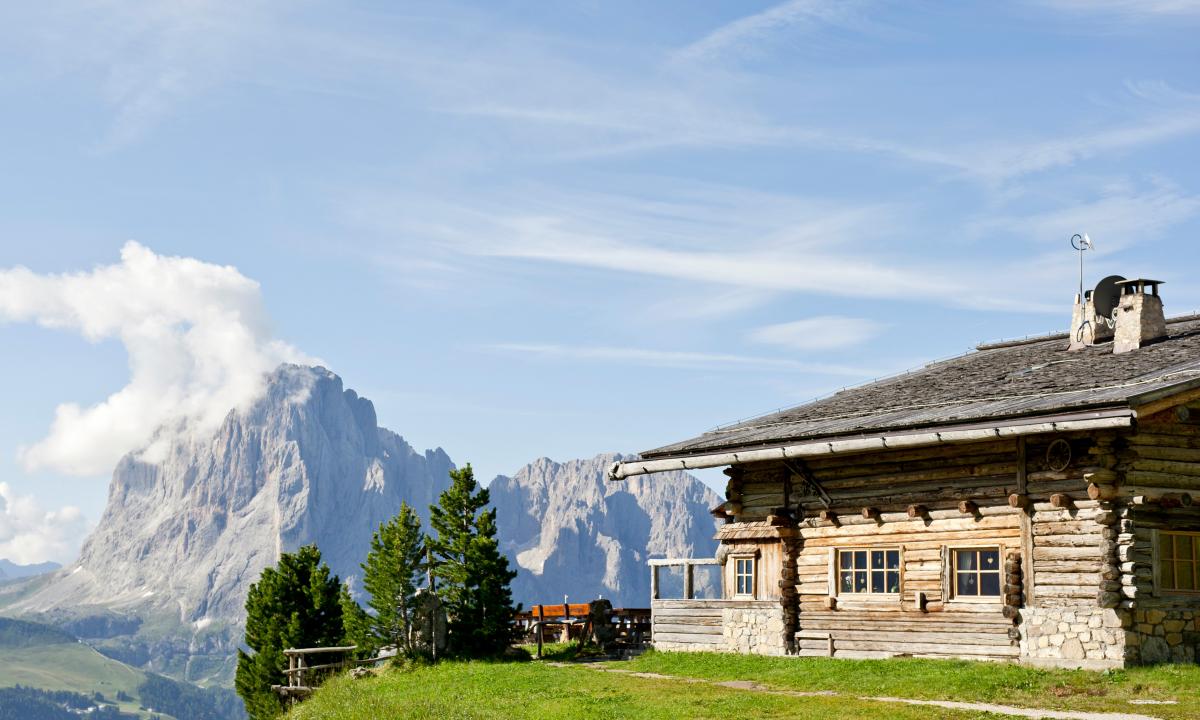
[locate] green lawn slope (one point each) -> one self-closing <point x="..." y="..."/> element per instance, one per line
<point x="70" y="666"/>
<point x="38" y="656"/>
<point x="685" y="685"/>
<point x="534" y="690"/>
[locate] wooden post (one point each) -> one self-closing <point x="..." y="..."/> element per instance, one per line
<point x="687" y="581"/>
<point x="541" y="628"/>
<point x="1026" y="519"/>
<point x="653" y="582"/>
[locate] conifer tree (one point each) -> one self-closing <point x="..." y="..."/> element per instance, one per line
<point x="357" y="624"/>
<point x="473" y="575"/>
<point x="392" y="574"/>
<point x="297" y="603"/>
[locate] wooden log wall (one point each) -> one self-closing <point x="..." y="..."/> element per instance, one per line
<point x="687" y="623"/>
<point x="768" y="567"/>
<point x="1072" y="541"/>
<point x="923" y="501"/>
<point x="1160" y="465"/>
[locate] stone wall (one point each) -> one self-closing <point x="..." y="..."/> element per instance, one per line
<point x="1079" y="636"/>
<point x="1166" y="635"/>
<point x="762" y="631"/>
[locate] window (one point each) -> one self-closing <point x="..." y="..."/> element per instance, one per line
<point x="977" y="573"/>
<point x="1179" y="561"/>
<point x="743" y="576"/>
<point x="872" y="572"/>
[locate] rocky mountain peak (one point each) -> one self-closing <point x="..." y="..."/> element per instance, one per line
<point x="186" y="534"/>
<point x="572" y="532"/>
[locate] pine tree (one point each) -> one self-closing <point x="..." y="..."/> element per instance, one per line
<point x="473" y="575"/>
<point x="295" y="604"/>
<point x="357" y="624"/>
<point x="392" y="574"/>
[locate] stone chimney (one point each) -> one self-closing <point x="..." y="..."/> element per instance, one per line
<point x="1086" y="328"/>
<point x="1140" y="318"/>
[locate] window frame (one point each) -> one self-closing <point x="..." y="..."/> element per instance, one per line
<point x="1159" y="587"/>
<point x="752" y="559"/>
<point x="867" y="596"/>
<point x="950" y="574"/>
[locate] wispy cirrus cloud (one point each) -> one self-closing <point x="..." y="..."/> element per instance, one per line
<point x="750" y="30"/>
<point x="146" y="58"/>
<point x="824" y="332"/>
<point x="678" y="360"/>
<point x="1144" y="9"/>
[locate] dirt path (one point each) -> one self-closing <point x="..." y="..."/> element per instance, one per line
<point x="750" y="686"/>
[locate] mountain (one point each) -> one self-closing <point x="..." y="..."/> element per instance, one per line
<point x="10" y="570"/>
<point x="572" y="532"/>
<point x="60" y="677"/>
<point x="161" y="583"/>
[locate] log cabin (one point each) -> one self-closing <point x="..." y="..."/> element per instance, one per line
<point x="1029" y="501"/>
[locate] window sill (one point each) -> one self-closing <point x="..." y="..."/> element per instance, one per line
<point x="984" y="603"/>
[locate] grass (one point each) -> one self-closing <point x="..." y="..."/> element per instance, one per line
<point x="70" y="666"/>
<point x="537" y="690"/>
<point x="963" y="681"/>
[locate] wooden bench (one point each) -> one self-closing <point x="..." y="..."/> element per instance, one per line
<point x="570" y="620"/>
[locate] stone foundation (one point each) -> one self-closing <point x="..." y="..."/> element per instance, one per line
<point x="1088" y="637"/>
<point x="761" y="631"/>
<point x="1166" y="635"/>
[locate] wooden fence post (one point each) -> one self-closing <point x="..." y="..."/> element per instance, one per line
<point x="541" y="627"/>
<point x="653" y="582"/>
<point x="688" y="581"/>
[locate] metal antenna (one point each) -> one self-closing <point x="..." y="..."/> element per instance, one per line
<point x="1081" y="243"/>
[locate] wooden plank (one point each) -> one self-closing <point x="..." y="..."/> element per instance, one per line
<point x="689" y="638"/>
<point x="914" y="648"/>
<point x="684" y="629"/>
<point x="696" y="619"/>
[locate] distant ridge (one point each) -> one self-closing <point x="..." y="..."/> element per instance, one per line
<point x="10" y="570"/>
<point x="572" y="532"/>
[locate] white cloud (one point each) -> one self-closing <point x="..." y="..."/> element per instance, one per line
<point x="754" y="28"/>
<point x="145" y="58"/>
<point x="825" y="332"/>
<point x="679" y="360"/>
<point x="30" y="534"/>
<point x="1116" y="219"/>
<point x="1131" y="8"/>
<point x="198" y="341"/>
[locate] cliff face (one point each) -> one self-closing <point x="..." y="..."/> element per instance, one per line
<point x="183" y="537"/>
<point x="571" y="532"/>
<point x="162" y="581"/>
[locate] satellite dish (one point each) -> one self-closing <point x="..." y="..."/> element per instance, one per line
<point x="1106" y="296"/>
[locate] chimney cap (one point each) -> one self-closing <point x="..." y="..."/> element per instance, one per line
<point x="1139" y="285"/>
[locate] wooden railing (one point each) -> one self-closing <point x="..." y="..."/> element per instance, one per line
<point x="303" y="677"/>
<point x="570" y="621"/>
<point x="689" y="574"/>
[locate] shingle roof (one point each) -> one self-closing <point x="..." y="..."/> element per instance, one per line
<point x="1005" y="380"/>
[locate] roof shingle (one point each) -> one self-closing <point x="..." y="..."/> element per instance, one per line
<point x="1006" y="380"/>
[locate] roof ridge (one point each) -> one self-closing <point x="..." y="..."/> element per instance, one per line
<point x="1031" y="339"/>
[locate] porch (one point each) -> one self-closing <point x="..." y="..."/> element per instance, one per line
<point x="681" y="621"/>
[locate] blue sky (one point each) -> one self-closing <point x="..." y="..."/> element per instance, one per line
<point x="559" y="229"/>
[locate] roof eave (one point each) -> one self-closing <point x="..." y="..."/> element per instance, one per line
<point x="976" y="432"/>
